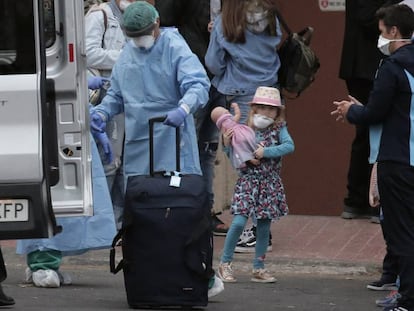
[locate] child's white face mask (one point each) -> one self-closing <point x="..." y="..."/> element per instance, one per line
<point x="257" y="21"/>
<point x="260" y="121"/>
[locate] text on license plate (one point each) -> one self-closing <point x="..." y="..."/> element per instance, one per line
<point x="14" y="210"/>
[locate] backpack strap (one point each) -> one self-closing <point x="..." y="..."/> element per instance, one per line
<point x="97" y="8"/>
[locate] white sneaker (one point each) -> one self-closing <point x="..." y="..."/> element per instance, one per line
<point x="218" y="287"/>
<point x="46" y="278"/>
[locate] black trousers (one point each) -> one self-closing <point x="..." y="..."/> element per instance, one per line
<point x="389" y="264"/>
<point x="396" y="190"/>
<point x="359" y="169"/>
<point x="3" y="272"/>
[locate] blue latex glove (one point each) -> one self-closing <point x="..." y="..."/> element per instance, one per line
<point x="95" y="82"/>
<point x="98" y="124"/>
<point x="175" y="117"/>
<point x="102" y="139"/>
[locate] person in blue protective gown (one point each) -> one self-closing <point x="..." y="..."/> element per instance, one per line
<point x="156" y="75"/>
<point x="79" y="234"/>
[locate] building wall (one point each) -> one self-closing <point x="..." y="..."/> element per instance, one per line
<point x="315" y="174"/>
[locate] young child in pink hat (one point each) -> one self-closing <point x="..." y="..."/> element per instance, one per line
<point x="259" y="189"/>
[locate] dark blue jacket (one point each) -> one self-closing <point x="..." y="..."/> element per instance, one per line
<point x="390" y="108"/>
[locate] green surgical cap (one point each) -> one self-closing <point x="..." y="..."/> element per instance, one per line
<point x="139" y="18"/>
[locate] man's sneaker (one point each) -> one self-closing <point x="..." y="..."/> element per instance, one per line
<point x="219" y="227"/>
<point x="225" y="272"/>
<point x="375" y="220"/>
<point x="382" y="285"/>
<point x="390" y="300"/>
<point x="262" y="276"/>
<point x="395" y="309"/>
<point x="216" y="288"/>
<point x="247" y="241"/>
<point x="350" y="212"/>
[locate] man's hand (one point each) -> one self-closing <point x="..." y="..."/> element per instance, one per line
<point x="342" y="108"/>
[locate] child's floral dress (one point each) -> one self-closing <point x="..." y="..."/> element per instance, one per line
<point x="259" y="188"/>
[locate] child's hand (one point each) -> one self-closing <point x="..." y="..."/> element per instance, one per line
<point x="254" y="162"/>
<point x="259" y="152"/>
<point x="227" y="135"/>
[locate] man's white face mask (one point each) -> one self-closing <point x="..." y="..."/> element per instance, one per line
<point x="384" y="44"/>
<point x="146" y="41"/>
<point x="123" y="4"/>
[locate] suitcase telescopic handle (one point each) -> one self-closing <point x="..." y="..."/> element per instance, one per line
<point x="152" y="122"/>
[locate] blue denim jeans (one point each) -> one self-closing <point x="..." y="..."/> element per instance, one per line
<point x="262" y="240"/>
<point x="208" y="136"/>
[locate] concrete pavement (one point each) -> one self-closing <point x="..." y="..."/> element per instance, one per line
<point x="321" y="244"/>
<point x="313" y="256"/>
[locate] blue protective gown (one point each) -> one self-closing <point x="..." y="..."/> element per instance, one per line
<point x="81" y="234"/>
<point x="147" y="83"/>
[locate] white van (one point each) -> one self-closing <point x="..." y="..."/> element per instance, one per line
<point x="45" y="161"/>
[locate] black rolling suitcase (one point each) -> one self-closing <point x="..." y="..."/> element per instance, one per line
<point x="166" y="238"/>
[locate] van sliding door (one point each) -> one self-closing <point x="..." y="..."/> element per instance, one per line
<point x="28" y="147"/>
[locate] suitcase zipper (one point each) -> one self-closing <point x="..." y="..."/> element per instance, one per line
<point x="167" y="213"/>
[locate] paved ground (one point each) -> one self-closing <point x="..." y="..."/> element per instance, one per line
<point x="322" y="263"/>
<point x="323" y="242"/>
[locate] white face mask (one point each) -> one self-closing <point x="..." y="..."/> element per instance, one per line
<point x="257" y="21"/>
<point x="384" y="44"/>
<point x="123" y="4"/>
<point x="260" y="121"/>
<point x="146" y="41"/>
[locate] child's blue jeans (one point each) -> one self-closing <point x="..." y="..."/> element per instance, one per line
<point x="262" y="240"/>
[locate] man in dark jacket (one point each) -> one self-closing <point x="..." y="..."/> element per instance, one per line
<point x="390" y="113"/>
<point x="359" y="63"/>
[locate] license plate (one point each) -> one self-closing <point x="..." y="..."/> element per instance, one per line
<point x="14" y="210"/>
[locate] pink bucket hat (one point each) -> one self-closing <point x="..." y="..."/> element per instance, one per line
<point x="267" y="96"/>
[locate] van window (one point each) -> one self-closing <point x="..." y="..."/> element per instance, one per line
<point x="17" y="43"/>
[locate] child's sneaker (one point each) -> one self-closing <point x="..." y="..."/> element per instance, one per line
<point x="225" y="272"/>
<point x="262" y="276"/>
